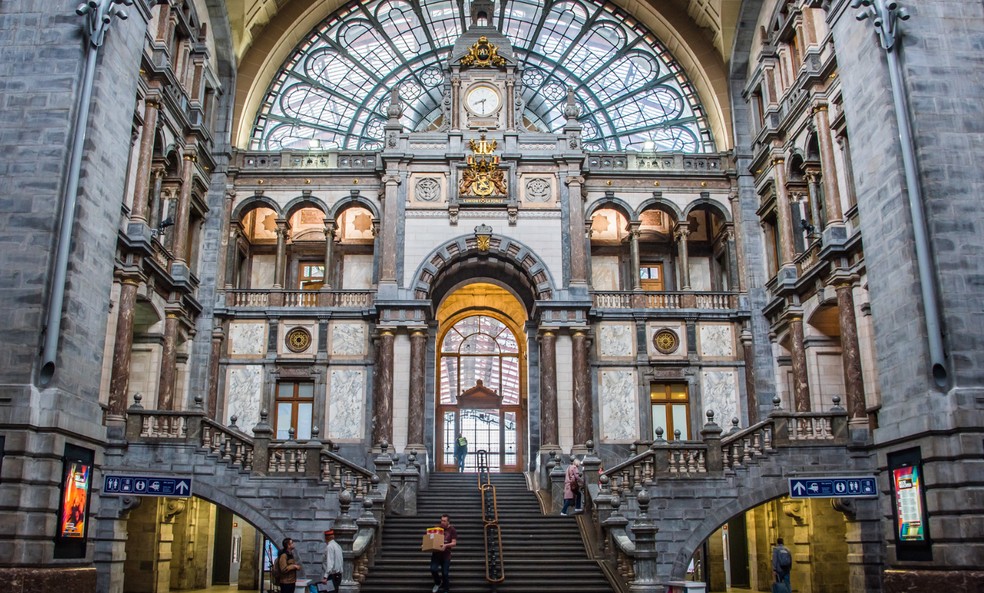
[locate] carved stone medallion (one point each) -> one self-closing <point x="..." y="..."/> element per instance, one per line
<point x="666" y="341"/>
<point x="298" y="339"/>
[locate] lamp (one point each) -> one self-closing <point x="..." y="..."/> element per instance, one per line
<point x="167" y="222"/>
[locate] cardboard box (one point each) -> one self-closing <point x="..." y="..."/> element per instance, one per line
<point x="433" y="540"/>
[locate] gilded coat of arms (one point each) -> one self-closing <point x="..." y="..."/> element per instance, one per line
<point x="483" y="55"/>
<point x="483" y="178"/>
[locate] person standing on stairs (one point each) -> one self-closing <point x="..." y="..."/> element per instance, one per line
<point x="440" y="566"/>
<point x="573" y="483"/>
<point x="460" y="451"/>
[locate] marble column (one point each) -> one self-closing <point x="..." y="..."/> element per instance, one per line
<point x="155" y="216"/>
<point x="801" y="381"/>
<point x="122" y="349"/>
<point x="387" y="270"/>
<point x="682" y="232"/>
<point x="382" y="412"/>
<point x="279" y="266"/>
<point x="850" y="350"/>
<point x="211" y="408"/>
<point x="329" y="244"/>
<point x="748" y="356"/>
<point x="733" y="276"/>
<point x="232" y="254"/>
<point x="578" y="240"/>
<point x="583" y="410"/>
<point x="168" y="369"/>
<point x="182" y="218"/>
<point x="549" y="437"/>
<point x="141" y="187"/>
<point x="831" y="193"/>
<point x="418" y="368"/>
<point x="737" y="240"/>
<point x="227" y="242"/>
<point x="784" y="217"/>
<point x="634" y="252"/>
<point x="813" y="192"/>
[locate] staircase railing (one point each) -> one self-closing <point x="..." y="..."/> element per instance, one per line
<point x="494" y="569"/>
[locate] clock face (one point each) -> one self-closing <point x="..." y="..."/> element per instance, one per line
<point x="482" y="100"/>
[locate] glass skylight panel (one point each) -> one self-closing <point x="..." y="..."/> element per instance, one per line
<point x="335" y="86"/>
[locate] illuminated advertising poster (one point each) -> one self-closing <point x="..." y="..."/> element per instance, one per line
<point x="910" y="523"/>
<point x="75" y="494"/>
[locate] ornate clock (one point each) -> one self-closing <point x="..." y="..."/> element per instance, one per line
<point x="483" y="100"/>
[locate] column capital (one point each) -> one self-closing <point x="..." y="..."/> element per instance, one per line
<point x="574" y="180"/>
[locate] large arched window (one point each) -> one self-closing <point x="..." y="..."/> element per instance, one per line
<point x="334" y="88"/>
<point x="480" y="348"/>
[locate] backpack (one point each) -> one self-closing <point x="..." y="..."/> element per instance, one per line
<point x="785" y="559"/>
<point x="275" y="573"/>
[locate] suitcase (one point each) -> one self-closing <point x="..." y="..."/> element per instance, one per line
<point x="780" y="587"/>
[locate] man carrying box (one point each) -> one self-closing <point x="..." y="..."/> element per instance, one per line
<point x="440" y="565"/>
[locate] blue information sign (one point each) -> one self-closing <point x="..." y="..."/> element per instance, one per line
<point x="146" y="486"/>
<point x="840" y="487"/>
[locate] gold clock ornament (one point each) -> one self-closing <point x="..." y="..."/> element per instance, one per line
<point x="666" y="341"/>
<point x="298" y="339"/>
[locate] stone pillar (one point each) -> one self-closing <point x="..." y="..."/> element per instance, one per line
<point x="801" y="382"/>
<point x="748" y="355"/>
<point x="227" y="242"/>
<point x="733" y="276"/>
<point x="182" y="218"/>
<point x="382" y="413"/>
<point x="389" y="251"/>
<point x="784" y="217"/>
<point x="831" y="193"/>
<point x="813" y="191"/>
<point x="122" y="349"/>
<point x="415" y="411"/>
<point x="155" y="217"/>
<point x="168" y="372"/>
<point x="578" y="248"/>
<point x="215" y="356"/>
<point x="682" y="232"/>
<point x="279" y="268"/>
<point x="634" y="252"/>
<point x="549" y="437"/>
<point x="329" y="244"/>
<point x="737" y="240"/>
<point x="141" y="187"/>
<point x="644" y="560"/>
<point x="583" y="410"/>
<point x="850" y="351"/>
<point x="232" y="252"/>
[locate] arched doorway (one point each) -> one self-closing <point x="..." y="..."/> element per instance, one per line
<point x="481" y="377"/>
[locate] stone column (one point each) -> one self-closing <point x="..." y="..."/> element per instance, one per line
<point x="831" y="193"/>
<point x="415" y="411"/>
<point x="748" y="355"/>
<point x="733" y="276"/>
<point x="801" y="382"/>
<point x="227" y="241"/>
<point x="232" y="252"/>
<point x="182" y="217"/>
<point x="549" y="437"/>
<point x="382" y="412"/>
<point x="141" y="187"/>
<point x="850" y="350"/>
<point x="387" y="272"/>
<point x="634" y="251"/>
<point x="682" y="232"/>
<point x="784" y="217"/>
<point x="578" y="249"/>
<point x="165" y="390"/>
<point x="122" y="349"/>
<point x="155" y="216"/>
<point x="329" y="244"/>
<point x="813" y="191"/>
<point x="218" y="336"/>
<point x="279" y="267"/>
<point x="737" y="240"/>
<point x="583" y="409"/>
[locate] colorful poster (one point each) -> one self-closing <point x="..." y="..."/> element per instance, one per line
<point x="908" y="502"/>
<point x="75" y="494"/>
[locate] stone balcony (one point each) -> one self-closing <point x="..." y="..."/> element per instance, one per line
<point x="629" y="299"/>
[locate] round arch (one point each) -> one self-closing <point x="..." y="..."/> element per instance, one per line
<point x="304" y="201"/>
<point x="710" y="203"/>
<point x="659" y="204"/>
<point x="354" y="200"/>
<point x="613" y="203"/>
<point x="254" y="202"/>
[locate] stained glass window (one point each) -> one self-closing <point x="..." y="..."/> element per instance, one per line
<point x="333" y="90"/>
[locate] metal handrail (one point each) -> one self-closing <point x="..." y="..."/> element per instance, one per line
<point x="494" y="569"/>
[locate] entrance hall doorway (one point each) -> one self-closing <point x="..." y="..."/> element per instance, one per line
<point x="481" y="367"/>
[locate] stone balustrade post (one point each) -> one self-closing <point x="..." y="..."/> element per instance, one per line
<point x="312" y="459"/>
<point x="644" y="560"/>
<point x="262" y="434"/>
<point x="711" y="434"/>
<point x="345" y="529"/>
<point x="613" y="523"/>
<point x="383" y="464"/>
<point x="193" y="434"/>
<point x="555" y="475"/>
<point x="368" y="522"/>
<point x="134" y="422"/>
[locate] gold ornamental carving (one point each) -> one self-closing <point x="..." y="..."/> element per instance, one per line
<point x="483" y="178"/>
<point x="483" y="55"/>
<point x="666" y="341"/>
<point x="298" y="340"/>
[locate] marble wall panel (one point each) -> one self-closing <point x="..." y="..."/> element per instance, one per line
<point x="346" y="404"/>
<point x="716" y="340"/>
<point x="247" y="339"/>
<point x="347" y="339"/>
<point x="616" y="340"/>
<point x="605" y="273"/>
<point x="357" y="272"/>
<point x="719" y="392"/>
<point x="244" y="396"/>
<point x="700" y="273"/>
<point x="262" y="269"/>
<point x="617" y="395"/>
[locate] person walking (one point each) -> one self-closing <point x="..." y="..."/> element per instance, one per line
<point x="782" y="565"/>
<point x="287" y="567"/>
<point x="573" y="482"/>
<point x="332" y="568"/>
<point x="440" y="565"/>
<point x="460" y="451"/>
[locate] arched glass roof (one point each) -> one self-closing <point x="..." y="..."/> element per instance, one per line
<point x="334" y="88"/>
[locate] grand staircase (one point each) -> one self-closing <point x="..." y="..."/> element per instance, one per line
<point x="541" y="553"/>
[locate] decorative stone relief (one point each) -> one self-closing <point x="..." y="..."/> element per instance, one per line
<point x="719" y="392"/>
<point x="298" y="339"/>
<point x="244" y="396"/>
<point x="716" y="340"/>
<point x="346" y="404"/>
<point x="348" y="339"/>
<point x="655" y="330"/>
<point x="616" y="340"/>
<point x="619" y="408"/>
<point x="247" y="339"/>
<point x="427" y="189"/>
<point x="537" y="190"/>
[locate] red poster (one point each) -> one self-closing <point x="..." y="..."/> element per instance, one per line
<point x="75" y="494"/>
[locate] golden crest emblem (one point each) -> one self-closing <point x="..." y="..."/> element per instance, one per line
<point x="483" y="178"/>
<point x="483" y="55"/>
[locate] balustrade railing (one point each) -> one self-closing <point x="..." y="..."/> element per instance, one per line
<point x="270" y="297"/>
<point x="627" y="299"/>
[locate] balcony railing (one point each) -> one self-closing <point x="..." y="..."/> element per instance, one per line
<point x="271" y="297"/>
<point x="664" y="300"/>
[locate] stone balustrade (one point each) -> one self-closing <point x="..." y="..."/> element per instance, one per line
<point x="270" y="297"/>
<point x="627" y="299"/>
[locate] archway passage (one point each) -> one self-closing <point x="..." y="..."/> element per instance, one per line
<point x="481" y="378"/>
